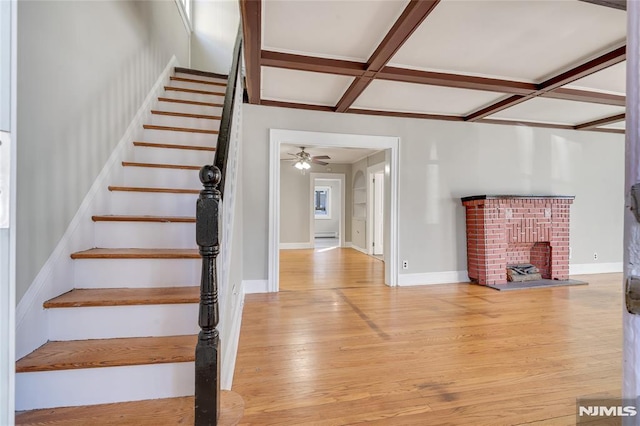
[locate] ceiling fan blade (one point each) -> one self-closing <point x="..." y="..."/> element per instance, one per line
<point x="295" y="155"/>
<point x="321" y="157"/>
<point x="322" y="163"/>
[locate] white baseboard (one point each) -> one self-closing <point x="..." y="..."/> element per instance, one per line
<point x="56" y="275"/>
<point x="295" y="246"/>
<point x="355" y="247"/>
<point x="230" y="347"/>
<point x="594" y="268"/>
<point x="255" y="286"/>
<point x="326" y="234"/>
<point x="427" y="278"/>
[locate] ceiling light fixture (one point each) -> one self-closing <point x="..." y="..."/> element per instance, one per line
<point x="302" y="165"/>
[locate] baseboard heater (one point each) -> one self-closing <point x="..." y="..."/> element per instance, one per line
<point x="326" y="234"/>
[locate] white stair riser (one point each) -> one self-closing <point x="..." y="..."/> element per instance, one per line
<point x="187" y="108"/>
<point x="152" y="203"/>
<point x="197" y="86"/>
<point x="110" y="322"/>
<point x="200" y="77"/>
<point x="145" y="235"/>
<point x="179" y="138"/>
<point x="66" y="388"/>
<point x="137" y="273"/>
<point x="189" y="122"/>
<point x="161" y="178"/>
<point x="187" y="157"/>
<point x="195" y="97"/>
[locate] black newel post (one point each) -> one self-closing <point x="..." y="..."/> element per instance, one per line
<point x="207" y="395"/>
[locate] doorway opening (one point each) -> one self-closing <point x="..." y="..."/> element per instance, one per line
<point x="328" y="210"/>
<point x="388" y="144"/>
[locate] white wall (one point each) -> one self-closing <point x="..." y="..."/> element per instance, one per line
<point x="443" y="161"/>
<point x="84" y="69"/>
<point x="215" y="26"/>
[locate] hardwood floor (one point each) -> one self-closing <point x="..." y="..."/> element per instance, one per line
<point x="337" y="347"/>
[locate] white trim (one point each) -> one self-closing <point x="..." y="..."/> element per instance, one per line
<point x="230" y="348"/>
<point x="296" y="246"/>
<point x="185" y="19"/>
<point x="342" y="179"/>
<point x="56" y="275"/>
<point x="255" y="286"/>
<point x="371" y="171"/>
<point x="355" y="247"/>
<point x="595" y="268"/>
<point x="279" y="136"/>
<point x="427" y="278"/>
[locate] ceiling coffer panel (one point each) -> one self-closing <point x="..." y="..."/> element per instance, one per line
<point x="303" y="87"/>
<point x="419" y="98"/>
<point x="329" y="29"/>
<point x="609" y="80"/>
<point x="519" y="40"/>
<point x="544" y="110"/>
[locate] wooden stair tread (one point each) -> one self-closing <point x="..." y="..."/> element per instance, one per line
<point x="187" y="115"/>
<point x="193" y="80"/>
<point x="161" y="166"/>
<point x="146" y="189"/>
<point x="125" y="297"/>
<point x="74" y="354"/>
<point x="152" y="412"/>
<point x="179" y="129"/>
<point x="136" y="253"/>
<point x="173" y="146"/>
<point x="201" y="73"/>
<point x="127" y="218"/>
<point x="195" y="91"/>
<point x="182" y="101"/>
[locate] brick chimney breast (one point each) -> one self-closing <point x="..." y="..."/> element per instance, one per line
<point x="512" y="229"/>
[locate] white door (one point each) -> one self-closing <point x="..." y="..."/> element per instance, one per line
<point x="378" y="213"/>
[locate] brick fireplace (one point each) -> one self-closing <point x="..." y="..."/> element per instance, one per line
<point x="511" y="229"/>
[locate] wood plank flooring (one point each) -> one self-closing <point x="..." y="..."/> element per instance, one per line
<point x="337" y="347"/>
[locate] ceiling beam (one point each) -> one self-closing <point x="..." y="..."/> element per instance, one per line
<point x="614" y="4"/>
<point x="423" y="116"/>
<point x="411" y="18"/>
<point x="251" y="12"/>
<point x="455" y="80"/>
<point x="526" y="123"/>
<point x="601" y="122"/>
<point x="295" y="105"/>
<point x="586" y="96"/>
<point x="311" y="63"/>
<point x="603" y="61"/>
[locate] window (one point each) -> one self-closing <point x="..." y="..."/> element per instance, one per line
<point x="322" y="201"/>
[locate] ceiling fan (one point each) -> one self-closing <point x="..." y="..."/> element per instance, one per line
<point x="303" y="159"/>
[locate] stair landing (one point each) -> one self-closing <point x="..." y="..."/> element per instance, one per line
<point x="169" y="411"/>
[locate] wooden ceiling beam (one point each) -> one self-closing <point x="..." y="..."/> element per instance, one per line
<point x="311" y="63"/>
<point x="586" y="96"/>
<point x="423" y="116"/>
<point x="295" y="105"/>
<point x="601" y="122"/>
<point x="411" y="18"/>
<point x="603" y="61"/>
<point x="614" y="4"/>
<point x="251" y="14"/>
<point x="455" y="80"/>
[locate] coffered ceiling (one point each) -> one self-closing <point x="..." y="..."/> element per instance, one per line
<point x="548" y="63"/>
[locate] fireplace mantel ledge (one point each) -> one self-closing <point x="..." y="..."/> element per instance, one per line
<point x="500" y="197"/>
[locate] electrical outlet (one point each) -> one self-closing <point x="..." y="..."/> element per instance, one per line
<point x="405" y="264"/>
<point x="595" y="256"/>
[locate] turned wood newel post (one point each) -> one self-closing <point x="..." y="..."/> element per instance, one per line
<point x="207" y="390"/>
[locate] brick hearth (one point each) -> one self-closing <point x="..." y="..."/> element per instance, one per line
<point x="509" y="229"/>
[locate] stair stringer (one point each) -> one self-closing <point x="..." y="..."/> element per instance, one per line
<point x="57" y="274"/>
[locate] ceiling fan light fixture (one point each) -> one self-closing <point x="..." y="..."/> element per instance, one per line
<point x="299" y="165"/>
<point x="306" y="166"/>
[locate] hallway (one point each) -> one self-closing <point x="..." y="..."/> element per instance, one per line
<point x="336" y="346"/>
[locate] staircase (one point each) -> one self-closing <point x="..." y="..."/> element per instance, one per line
<point x="128" y="330"/>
